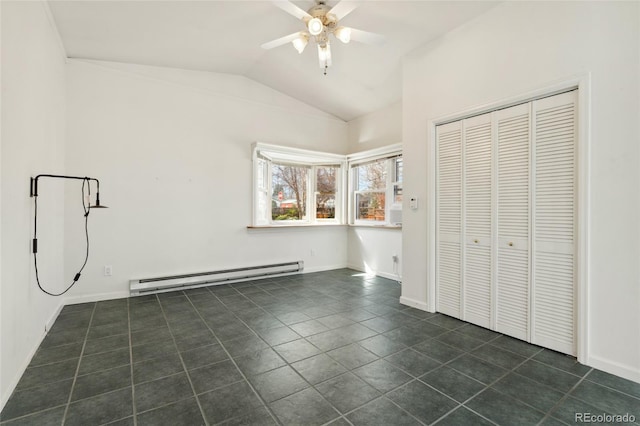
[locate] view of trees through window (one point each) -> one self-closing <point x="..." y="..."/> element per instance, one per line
<point x="299" y="187"/>
<point x="326" y="192"/>
<point x="370" y="191"/>
<point x="289" y="185"/>
<point x="376" y="184"/>
<point x="397" y="184"/>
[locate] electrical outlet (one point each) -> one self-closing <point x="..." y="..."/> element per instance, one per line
<point x="312" y="252"/>
<point x="395" y="258"/>
<point x="108" y="270"/>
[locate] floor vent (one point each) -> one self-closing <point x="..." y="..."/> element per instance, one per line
<point x="201" y="279"/>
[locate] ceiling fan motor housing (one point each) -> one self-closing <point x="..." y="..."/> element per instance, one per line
<point x="321" y="11"/>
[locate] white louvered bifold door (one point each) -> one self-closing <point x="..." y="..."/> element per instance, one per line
<point x="449" y="218"/>
<point x="476" y="281"/>
<point x="512" y="263"/>
<point x="506" y="220"/>
<point x="553" y="284"/>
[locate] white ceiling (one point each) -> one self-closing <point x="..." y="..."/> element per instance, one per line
<point x="225" y="37"/>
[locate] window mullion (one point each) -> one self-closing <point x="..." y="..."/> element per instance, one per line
<point x="389" y="190"/>
<point x="311" y="195"/>
<point x="269" y="177"/>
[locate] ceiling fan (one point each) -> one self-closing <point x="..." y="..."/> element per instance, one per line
<point x="321" y="21"/>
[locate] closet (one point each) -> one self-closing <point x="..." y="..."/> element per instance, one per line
<point x="506" y="220"/>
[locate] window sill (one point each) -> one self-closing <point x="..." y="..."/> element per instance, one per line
<point x="297" y="225"/>
<point x="366" y="225"/>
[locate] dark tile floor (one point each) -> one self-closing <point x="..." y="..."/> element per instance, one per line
<point x="332" y="347"/>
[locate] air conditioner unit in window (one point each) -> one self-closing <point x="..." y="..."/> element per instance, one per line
<point x="395" y="215"/>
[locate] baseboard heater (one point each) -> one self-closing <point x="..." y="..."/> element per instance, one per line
<point x="201" y="279"/>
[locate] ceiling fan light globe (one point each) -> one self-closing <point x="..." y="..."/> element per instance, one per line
<point x="324" y="55"/>
<point x="315" y="26"/>
<point x="300" y="43"/>
<point x="343" y="34"/>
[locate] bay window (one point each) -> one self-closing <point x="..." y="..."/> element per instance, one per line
<point x="300" y="187"/>
<point x="297" y="187"/>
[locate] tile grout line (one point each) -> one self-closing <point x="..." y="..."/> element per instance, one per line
<point x="383" y="396"/>
<point x="486" y="386"/>
<point x="133" y="388"/>
<point x="307" y="294"/>
<point x="184" y="366"/>
<point x="465" y="352"/>
<point x="75" y="377"/>
<point x="566" y="396"/>
<point x="609" y="387"/>
<point x="311" y="386"/>
<point x="229" y="355"/>
<point x="471" y="354"/>
<point x="380" y="394"/>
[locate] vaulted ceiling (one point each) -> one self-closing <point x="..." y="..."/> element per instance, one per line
<point x="225" y="37"/>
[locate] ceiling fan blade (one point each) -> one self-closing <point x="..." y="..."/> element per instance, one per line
<point x="342" y="9"/>
<point x="292" y="9"/>
<point x="367" y="37"/>
<point x="280" y="41"/>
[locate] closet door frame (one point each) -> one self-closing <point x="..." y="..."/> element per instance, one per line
<point x="582" y="83"/>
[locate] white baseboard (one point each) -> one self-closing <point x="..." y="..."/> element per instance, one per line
<point x="624" y="371"/>
<point x="51" y="321"/>
<point x="324" y="268"/>
<point x="387" y="275"/>
<point x="414" y="303"/>
<point x="356" y="267"/>
<point x="18" y="374"/>
<point x="89" y="298"/>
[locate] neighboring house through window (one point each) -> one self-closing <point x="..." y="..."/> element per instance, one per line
<point x="295" y="186"/>
<point x="376" y="188"/>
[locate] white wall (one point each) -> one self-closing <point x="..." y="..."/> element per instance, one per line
<point x="515" y="48"/>
<point x="371" y="248"/>
<point x="172" y="150"/>
<point x="33" y="117"/>
<point x="377" y="129"/>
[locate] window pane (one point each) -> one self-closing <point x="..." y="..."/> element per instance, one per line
<point x="289" y="184"/>
<point x="398" y="169"/>
<point x="262" y="200"/>
<point x="371" y="176"/>
<point x="397" y="194"/>
<point x="261" y="173"/>
<point x="370" y="206"/>
<point x="261" y="207"/>
<point x="326" y="192"/>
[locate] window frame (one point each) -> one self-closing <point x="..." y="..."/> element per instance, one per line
<point x="391" y="182"/>
<point x="313" y="160"/>
<point x="344" y="198"/>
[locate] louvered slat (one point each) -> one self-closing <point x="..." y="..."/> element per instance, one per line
<point x="512" y="284"/>
<point x="449" y="278"/>
<point x="477" y="208"/>
<point x="512" y="304"/>
<point x="554" y="276"/>
<point x="477" y="285"/>
<point x="449" y="218"/>
<point x="517" y="191"/>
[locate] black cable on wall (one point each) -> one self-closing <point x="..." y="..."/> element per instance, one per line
<point x="86" y="207"/>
